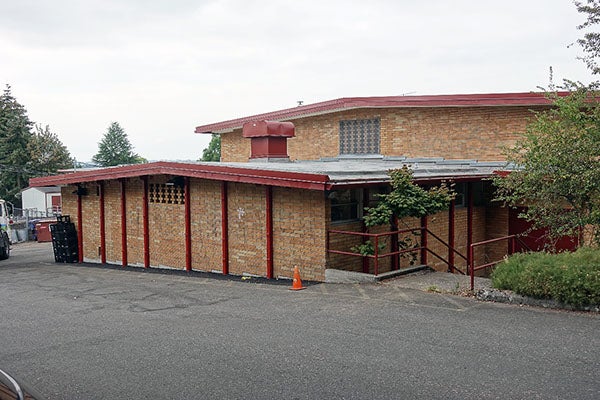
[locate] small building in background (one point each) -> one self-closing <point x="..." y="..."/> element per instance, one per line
<point x="41" y="202"/>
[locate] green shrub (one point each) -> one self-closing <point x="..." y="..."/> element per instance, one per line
<point x="571" y="278"/>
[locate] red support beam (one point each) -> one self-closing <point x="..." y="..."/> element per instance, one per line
<point x="146" y="223"/>
<point x="188" y="224"/>
<point x="424" y="240"/>
<point x="102" y="224"/>
<point x="365" y="260"/>
<point x="394" y="244"/>
<point x="269" y="222"/>
<point x="469" y="224"/>
<point x="79" y="228"/>
<point x="123" y="224"/>
<point x="224" y="228"/>
<point x="451" y="214"/>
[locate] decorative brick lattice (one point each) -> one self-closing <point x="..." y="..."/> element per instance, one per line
<point x="165" y="194"/>
<point x="360" y="136"/>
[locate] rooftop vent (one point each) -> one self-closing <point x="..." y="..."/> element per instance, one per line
<point x="268" y="139"/>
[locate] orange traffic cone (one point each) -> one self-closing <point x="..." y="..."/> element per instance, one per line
<point x="297" y="282"/>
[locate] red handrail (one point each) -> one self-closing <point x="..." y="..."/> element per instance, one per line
<point x="513" y="239"/>
<point x="376" y="256"/>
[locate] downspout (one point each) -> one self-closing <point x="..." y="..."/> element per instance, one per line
<point x="224" y="228"/>
<point x="269" y="222"/>
<point x="146" y="223"/>
<point x="451" y="214"/>
<point x="79" y="228"/>
<point x="188" y="224"/>
<point x="102" y="224"/>
<point x="123" y="224"/>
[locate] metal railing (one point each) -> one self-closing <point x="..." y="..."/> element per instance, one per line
<point x="423" y="247"/>
<point x="375" y="236"/>
<point x="472" y="267"/>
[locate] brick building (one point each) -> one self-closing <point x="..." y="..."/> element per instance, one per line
<point x="291" y="192"/>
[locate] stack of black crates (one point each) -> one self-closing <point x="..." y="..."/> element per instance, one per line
<point x="64" y="240"/>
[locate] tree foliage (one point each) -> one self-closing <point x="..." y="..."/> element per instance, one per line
<point x="558" y="168"/>
<point x="47" y="153"/>
<point x="591" y="40"/>
<point x="115" y="148"/>
<point x="15" y="133"/>
<point x="408" y="199"/>
<point x="25" y="153"/>
<point x="213" y="151"/>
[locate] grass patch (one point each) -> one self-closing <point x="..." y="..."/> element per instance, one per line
<point x="571" y="278"/>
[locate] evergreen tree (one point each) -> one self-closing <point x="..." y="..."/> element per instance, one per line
<point x="47" y="153"/>
<point x="15" y="133"/>
<point x="591" y="40"/>
<point x="115" y="148"/>
<point x="213" y="151"/>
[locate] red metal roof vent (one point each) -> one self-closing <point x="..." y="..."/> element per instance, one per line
<point x="268" y="139"/>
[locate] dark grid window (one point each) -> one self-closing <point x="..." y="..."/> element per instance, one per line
<point x="360" y="136"/>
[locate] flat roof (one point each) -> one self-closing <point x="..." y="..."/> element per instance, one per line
<point x="324" y="174"/>
<point x="348" y="103"/>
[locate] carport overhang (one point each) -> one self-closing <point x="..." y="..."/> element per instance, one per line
<point x="298" y="180"/>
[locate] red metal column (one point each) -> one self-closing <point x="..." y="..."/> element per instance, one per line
<point x="146" y="223"/>
<point x="365" y="203"/>
<point x="224" y="228"/>
<point x="123" y="225"/>
<point x="102" y="224"/>
<point x="424" y="240"/>
<point x="451" y="213"/>
<point x="79" y="228"/>
<point x="469" y="224"/>
<point x="269" y="212"/>
<point x="188" y="224"/>
<point x="394" y="244"/>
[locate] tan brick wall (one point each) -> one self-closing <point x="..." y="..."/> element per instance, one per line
<point x="134" y="192"/>
<point x="207" y="254"/>
<point x="247" y="229"/>
<point x="91" y="223"/>
<point x="299" y="232"/>
<point x="69" y="202"/>
<point x="112" y="214"/>
<point x="450" y="132"/>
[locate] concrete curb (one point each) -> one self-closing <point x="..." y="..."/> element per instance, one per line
<point x="507" y="296"/>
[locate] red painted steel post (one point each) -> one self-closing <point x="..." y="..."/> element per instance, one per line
<point x="512" y="244"/>
<point x="269" y="212"/>
<point x="146" y="223"/>
<point x="79" y="228"/>
<point x="470" y="266"/>
<point x="123" y="225"/>
<point x="102" y="224"/>
<point x="365" y="260"/>
<point x="451" y="214"/>
<point x="224" y="228"/>
<point x="376" y="255"/>
<point x="394" y="244"/>
<point x="469" y="223"/>
<point x="188" y="224"/>
<point x="424" y="240"/>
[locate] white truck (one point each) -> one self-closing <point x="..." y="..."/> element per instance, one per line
<point x="4" y="231"/>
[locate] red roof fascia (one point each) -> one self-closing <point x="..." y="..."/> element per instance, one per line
<point x="454" y="100"/>
<point x="212" y="172"/>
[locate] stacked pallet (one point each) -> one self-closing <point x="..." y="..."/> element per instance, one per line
<point x="64" y="240"/>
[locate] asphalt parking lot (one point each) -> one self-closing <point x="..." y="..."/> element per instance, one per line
<point x="90" y="332"/>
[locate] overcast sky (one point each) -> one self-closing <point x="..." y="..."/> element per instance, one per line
<point x="160" y="68"/>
